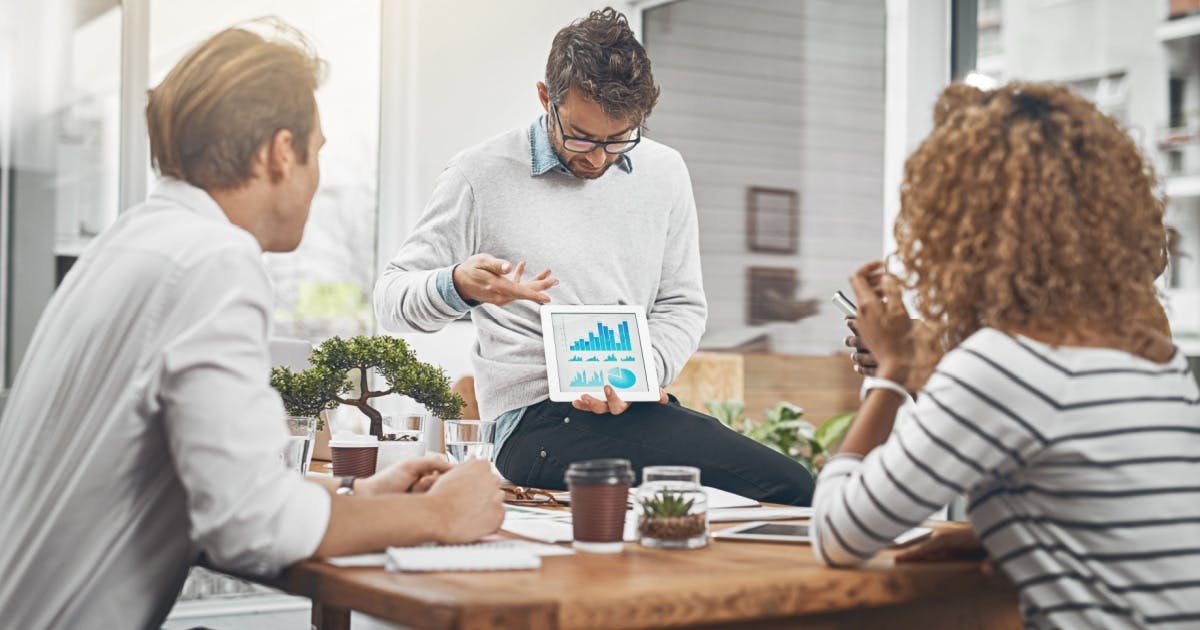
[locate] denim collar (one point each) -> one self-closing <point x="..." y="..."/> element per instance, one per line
<point x="543" y="157"/>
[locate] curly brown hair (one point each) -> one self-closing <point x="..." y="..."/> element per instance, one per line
<point x="599" y="56"/>
<point x="1028" y="210"/>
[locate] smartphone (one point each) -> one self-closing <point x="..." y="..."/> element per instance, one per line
<point x="844" y="303"/>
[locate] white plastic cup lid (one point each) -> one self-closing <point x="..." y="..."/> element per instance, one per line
<point x="353" y="440"/>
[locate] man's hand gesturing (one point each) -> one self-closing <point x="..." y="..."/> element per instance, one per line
<point x="484" y="278"/>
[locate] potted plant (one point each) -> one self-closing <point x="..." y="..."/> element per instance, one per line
<point x="666" y="520"/>
<point x="326" y="383"/>
<point x="784" y="429"/>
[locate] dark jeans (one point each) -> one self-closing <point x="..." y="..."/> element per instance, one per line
<point x="552" y="435"/>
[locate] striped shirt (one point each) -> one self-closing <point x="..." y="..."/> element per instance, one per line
<point x="1081" y="465"/>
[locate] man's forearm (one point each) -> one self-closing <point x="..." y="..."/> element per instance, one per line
<point x="370" y="524"/>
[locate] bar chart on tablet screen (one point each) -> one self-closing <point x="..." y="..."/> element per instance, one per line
<point x="598" y="349"/>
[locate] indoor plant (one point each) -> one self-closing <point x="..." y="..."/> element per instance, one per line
<point x="666" y="519"/>
<point x="326" y="383"/>
<point x="784" y="429"/>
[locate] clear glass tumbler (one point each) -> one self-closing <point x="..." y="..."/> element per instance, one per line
<point x="467" y="439"/>
<point x="297" y="455"/>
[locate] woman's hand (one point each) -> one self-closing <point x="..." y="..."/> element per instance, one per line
<point x="882" y="324"/>
<point x="946" y="545"/>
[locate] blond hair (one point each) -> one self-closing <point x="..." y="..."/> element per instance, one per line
<point x="227" y="97"/>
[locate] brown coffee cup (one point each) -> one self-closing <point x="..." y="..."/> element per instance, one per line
<point x="599" y="495"/>
<point x="354" y="456"/>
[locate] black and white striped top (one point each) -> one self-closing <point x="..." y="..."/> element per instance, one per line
<point x="1082" y="467"/>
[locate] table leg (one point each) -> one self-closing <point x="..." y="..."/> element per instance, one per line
<point x="329" y="617"/>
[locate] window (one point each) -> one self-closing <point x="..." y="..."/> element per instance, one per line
<point x="778" y="109"/>
<point x="324" y="287"/>
<point x="59" y="119"/>
<point x="1137" y="61"/>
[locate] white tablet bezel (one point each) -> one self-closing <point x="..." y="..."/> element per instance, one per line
<point x="737" y="532"/>
<point x="645" y="350"/>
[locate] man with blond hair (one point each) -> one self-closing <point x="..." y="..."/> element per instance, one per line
<point x="141" y="431"/>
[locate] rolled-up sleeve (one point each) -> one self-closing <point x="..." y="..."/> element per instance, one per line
<point x="224" y="422"/>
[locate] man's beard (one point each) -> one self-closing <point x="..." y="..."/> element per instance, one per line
<point x="588" y="175"/>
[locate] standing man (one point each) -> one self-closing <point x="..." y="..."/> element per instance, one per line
<point x="582" y="192"/>
<point x="141" y="431"/>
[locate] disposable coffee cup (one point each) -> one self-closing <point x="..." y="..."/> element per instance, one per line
<point x="599" y="493"/>
<point x="354" y="455"/>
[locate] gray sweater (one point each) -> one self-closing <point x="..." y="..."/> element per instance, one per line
<point x="629" y="237"/>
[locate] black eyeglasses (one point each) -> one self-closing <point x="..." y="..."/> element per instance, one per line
<point x="583" y="145"/>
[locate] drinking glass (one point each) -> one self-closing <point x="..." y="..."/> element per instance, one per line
<point x="403" y="439"/>
<point x="469" y="439"/>
<point x="297" y="455"/>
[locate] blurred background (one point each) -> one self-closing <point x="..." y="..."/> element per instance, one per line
<point x="794" y="117"/>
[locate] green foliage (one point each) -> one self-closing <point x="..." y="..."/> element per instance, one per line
<point x="727" y="411"/>
<point x="325" y="384"/>
<point x="784" y="429"/>
<point x="666" y="504"/>
<point x="309" y="392"/>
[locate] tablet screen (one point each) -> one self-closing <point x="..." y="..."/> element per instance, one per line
<point x="598" y="349"/>
<point x="778" y="529"/>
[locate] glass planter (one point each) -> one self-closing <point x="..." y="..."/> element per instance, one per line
<point x="672" y="508"/>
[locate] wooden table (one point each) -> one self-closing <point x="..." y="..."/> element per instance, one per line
<point x="729" y="584"/>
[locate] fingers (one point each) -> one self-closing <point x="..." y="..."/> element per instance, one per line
<point x="594" y="405"/>
<point x="519" y="272"/>
<point x="425" y="483"/>
<point x="616" y="406"/>
<point x="865" y="371"/>
<point x="663" y="398"/>
<point x="542" y="276"/>
<point x="864" y="290"/>
<point x="493" y="264"/>
<point x="864" y="359"/>
<point x="425" y="465"/>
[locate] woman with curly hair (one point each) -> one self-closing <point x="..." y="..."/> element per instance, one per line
<point x="1030" y="234"/>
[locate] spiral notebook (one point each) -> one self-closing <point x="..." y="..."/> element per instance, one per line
<point x="502" y="555"/>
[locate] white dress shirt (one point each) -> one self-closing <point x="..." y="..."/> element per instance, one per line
<point x="142" y="429"/>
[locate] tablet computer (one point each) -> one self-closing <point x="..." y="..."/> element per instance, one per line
<point x="588" y="347"/>
<point x="798" y="533"/>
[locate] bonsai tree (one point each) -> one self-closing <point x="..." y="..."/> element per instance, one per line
<point x="326" y="383"/>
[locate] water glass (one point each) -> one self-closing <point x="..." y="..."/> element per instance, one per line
<point x="469" y="439"/>
<point x="298" y="453"/>
<point x="403" y="439"/>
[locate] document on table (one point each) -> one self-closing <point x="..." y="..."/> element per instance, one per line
<point x="717" y="499"/>
<point x="553" y="529"/>
<point x="731" y="515"/>
<point x="481" y="556"/>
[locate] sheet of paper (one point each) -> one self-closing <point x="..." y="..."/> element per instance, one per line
<point x="717" y="499"/>
<point x="730" y="515"/>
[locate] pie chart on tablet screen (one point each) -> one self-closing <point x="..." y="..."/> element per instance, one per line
<point x="621" y="378"/>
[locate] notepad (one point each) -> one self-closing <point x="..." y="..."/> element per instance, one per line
<point x="504" y="555"/>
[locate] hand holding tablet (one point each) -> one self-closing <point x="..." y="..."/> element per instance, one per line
<point x="591" y="349"/>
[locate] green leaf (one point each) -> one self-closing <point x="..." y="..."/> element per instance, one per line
<point x="833" y="430"/>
